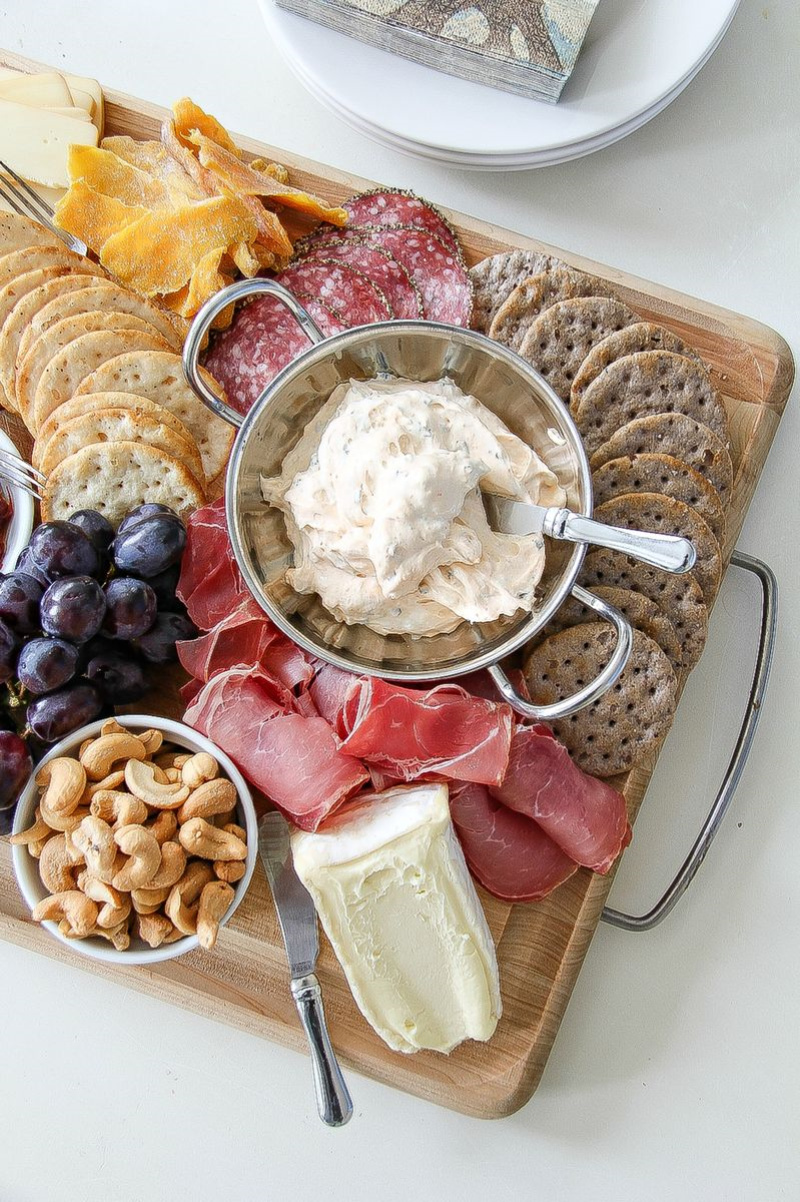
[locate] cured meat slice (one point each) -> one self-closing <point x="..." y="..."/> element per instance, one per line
<point x="262" y="339"/>
<point x="349" y="292"/>
<point x="210" y="584"/>
<point x="245" y="637"/>
<point x="508" y="853"/>
<point x="206" y="540"/>
<point x="291" y="758"/>
<point x="584" y="816"/>
<point x="399" y="208"/>
<point x="406" y="733"/>
<point x="328" y="690"/>
<point x="328" y="320"/>
<point x="377" y="265"/>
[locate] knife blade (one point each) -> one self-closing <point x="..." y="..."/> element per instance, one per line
<point x="298" y="923"/>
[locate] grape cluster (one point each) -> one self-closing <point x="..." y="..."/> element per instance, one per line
<point x="81" y="616"/>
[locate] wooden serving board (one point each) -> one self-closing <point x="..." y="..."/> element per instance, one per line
<point x="541" y="947"/>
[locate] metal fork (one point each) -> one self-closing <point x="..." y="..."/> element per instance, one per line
<point x="15" y="471"/>
<point x="28" y="203"/>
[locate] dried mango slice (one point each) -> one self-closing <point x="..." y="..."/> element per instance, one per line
<point x="189" y="116"/>
<point x="93" y="217"/>
<point x="245" y="260"/>
<point x="151" y="157"/>
<point x="243" y="180"/>
<point x="276" y="170"/>
<point x="107" y="173"/>
<point x="207" y="278"/>
<point x="158" y="253"/>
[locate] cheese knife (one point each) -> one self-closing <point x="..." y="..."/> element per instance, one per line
<point x="508" y="516"/>
<point x="298" y="921"/>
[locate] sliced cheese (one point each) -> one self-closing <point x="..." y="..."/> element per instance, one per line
<point x="78" y="114"/>
<point x="35" y="142"/>
<point x="46" y="88"/>
<point x="392" y="890"/>
<point x="83" y="100"/>
<point x="92" y="88"/>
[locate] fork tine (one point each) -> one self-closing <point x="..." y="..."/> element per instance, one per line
<point x="32" y="205"/>
<point x="31" y="196"/>
<point x="23" y="483"/>
<point x="20" y="464"/>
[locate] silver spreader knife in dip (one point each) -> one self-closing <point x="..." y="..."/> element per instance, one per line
<point x="666" y="551"/>
<point x="298" y="920"/>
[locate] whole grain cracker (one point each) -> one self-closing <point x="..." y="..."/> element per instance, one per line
<point x="559" y="340"/>
<point x="521" y="307"/>
<point x="19" y="233"/>
<point x="644" y="383"/>
<point x="114" y="478"/>
<point x="641" y="336"/>
<point x="629" y="721"/>
<point x="159" y="376"/>
<point x="680" y="597"/>
<point x="84" y="354"/>
<point x="493" y="279"/>
<point x="661" y="474"/>
<point x="98" y="402"/>
<point x="642" y="613"/>
<point x="119" y="425"/>
<point x="676" y="435"/>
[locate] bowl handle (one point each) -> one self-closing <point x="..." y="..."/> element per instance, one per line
<point x="202" y="322"/>
<point x="595" y="688"/>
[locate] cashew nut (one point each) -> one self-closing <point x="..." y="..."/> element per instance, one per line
<point x="32" y="834"/>
<point x="171" y="868"/>
<point x="112" y="781"/>
<point x="141" y="780"/>
<point x="152" y="740"/>
<point x="233" y="829"/>
<point x="95" y="839"/>
<point x="229" y="870"/>
<point x="184" y="898"/>
<point x="37" y="847"/>
<point x="116" y="906"/>
<point x="112" y="727"/>
<point x="55" y="865"/>
<point x="119" y="809"/>
<point x="118" y="935"/>
<point x="62" y="822"/>
<point x="164" y="825"/>
<point x="100" y="756"/>
<point x="173" y="775"/>
<point x="144" y="851"/>
<point x="65" y="780"/>
<point x="200" y="838"/>
<point x="213" y="797"/>
<point x="154" y="928"/>
<point x="214" y="902"/>
<point x="147" y="901"/>
<point x="198" y="769"/>
<point x="79" y="911"/>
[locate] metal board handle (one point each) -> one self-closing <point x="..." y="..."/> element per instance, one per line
<point x="758" y="688"/>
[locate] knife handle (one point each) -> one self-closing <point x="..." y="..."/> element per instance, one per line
<point x="666" y="551"/>
<point x="333" y="1099"/>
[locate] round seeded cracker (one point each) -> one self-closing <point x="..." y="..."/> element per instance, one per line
<point x="559" y="340"/>
<point x="520" y="309"/>
<point x="641" y="336"/>
<point x="18" y="233"/>
<point x="627" y="722"/>
<point x="661" y="474"/>
<point x="98" y="402"/>
<point x="493" y="279"/>
<point x="119" y="425"/>
<point x="677" y="435"/>
<point x="116" y="477"/>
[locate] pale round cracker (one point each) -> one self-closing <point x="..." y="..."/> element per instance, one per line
<point x="116" y="477"/>
<point x="520" y="309"/>
<point x="78" y="405"/>
<point x="18" y="232"/>
<point x="31" y="258"/>
<point x="641" y="336"/>
<point x="111" y="297"/>
<point x="159" y="376"/>
<point x="559" y="340"/>
<point x="493" y="279"/>
<point x="119" y="425"/>
<point x="673" y="434"/>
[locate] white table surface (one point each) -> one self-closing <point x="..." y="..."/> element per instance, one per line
<point x="675" y="1074"/>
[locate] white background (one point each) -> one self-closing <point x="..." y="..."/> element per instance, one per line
<point x="675" y="1074"/>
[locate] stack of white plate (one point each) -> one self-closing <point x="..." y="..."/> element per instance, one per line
<point x="636" y="59"/>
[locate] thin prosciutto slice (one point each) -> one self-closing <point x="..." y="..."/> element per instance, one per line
<point x="584" y="816"/>
<point x="293" y="759"/>
<point x="246" y="637"/>
<point x="509" y="854"/>
<point x="445" y="731"/>
<point x="210" y="585"/>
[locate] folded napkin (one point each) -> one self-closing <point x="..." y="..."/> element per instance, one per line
<point x="527" y="48"/>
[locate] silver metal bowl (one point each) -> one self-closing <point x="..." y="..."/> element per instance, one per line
<point x="415" y="350"/>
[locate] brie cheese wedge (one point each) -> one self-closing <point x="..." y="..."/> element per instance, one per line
<point x="394" y="895"/>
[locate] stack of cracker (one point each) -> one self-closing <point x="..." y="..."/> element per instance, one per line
<point x="656" y="433"/>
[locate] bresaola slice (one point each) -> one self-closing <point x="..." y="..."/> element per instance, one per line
<point x="509" y="854"/>
<point x="293" y="759"/>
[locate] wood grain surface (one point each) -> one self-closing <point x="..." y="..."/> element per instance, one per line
<point x="541" y="947"/>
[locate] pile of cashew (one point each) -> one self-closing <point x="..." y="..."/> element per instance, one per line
<point x="136" y="837"/>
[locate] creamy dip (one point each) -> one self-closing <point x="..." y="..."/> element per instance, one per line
<point x="382" y="503"/>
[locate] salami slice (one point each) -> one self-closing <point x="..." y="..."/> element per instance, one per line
<point x="354" y="297"/>
<point x="377" y="265"/>
<point x="328" y="320"/>
<point x="261" y="341"/>
<point x="438" y="272"/>
<point x="395" y="207"/>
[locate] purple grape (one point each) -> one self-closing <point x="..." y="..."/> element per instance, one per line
<point x="150" y="546"/>
<point x="118" y="676"/>
<point x="73" y="609"/>
<point x="144" y="511"/>
<point x="16" y="766"/>
<point x="57" y="714"/>
<point x="130" y="608"/>
<point x="19" y="602"/>
<point x="158" y="645"/>
<point x="164" y="586"/>
<point x="46" y="664"/>
<point x="61" y="549"/>
<point x="26" y="565"/>
<point x="97" y="529"/>
<point x="9" y="645"/>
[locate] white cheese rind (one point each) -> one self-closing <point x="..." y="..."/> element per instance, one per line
<point x="397" y="903"/>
